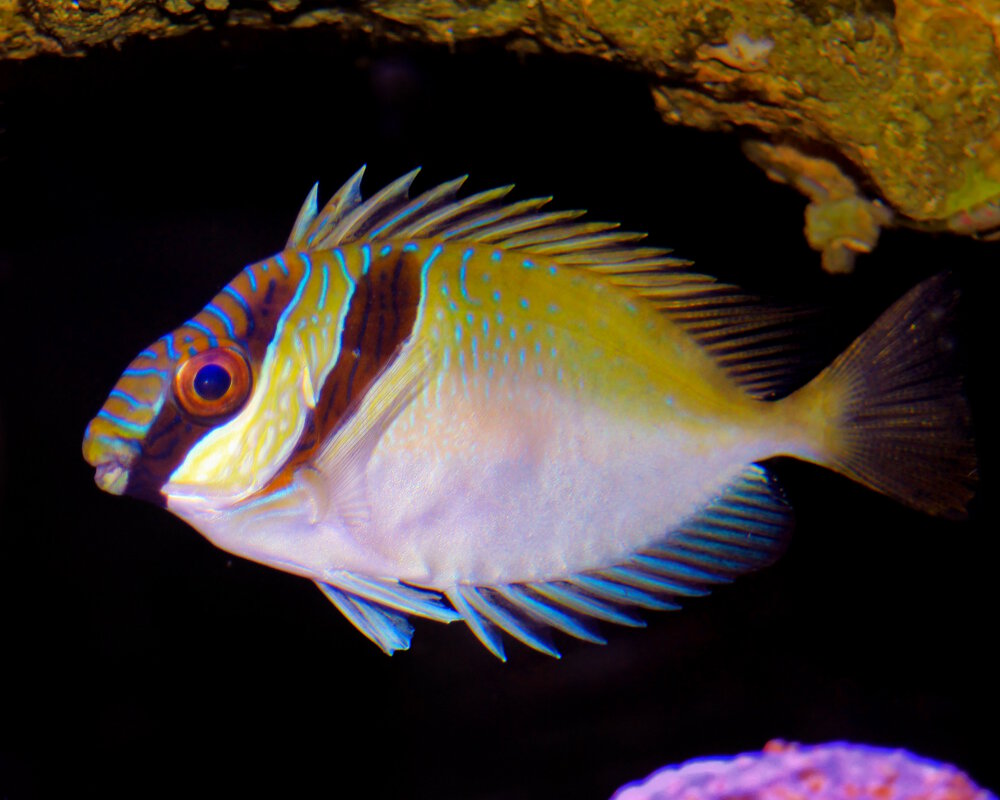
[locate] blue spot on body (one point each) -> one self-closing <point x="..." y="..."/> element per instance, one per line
<point x="386" y="249"/>
<point x="528" y="264"/>
<point x="496" y="255"/>
<point x="409" y="247"/>
<point x="523" y="302"/>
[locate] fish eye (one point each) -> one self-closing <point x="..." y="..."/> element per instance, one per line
<point x="213" y="383"/>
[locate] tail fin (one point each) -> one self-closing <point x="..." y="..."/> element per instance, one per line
<point x="900" y="423"/>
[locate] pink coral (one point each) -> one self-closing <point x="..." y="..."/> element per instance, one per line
<point x="835" y="771"/>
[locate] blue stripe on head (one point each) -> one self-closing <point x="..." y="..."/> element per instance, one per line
<point x="296" y="299"/>
<point x="145" y="373"/>
<point x="213" y="341"/>
<point x="252" y="278"/>
<point x="124" y="424"/>
<point x="241" y="301"/>
<point x="168" y="340"/>
<point x="131" y="400"/>
<point x="223" y="317"/>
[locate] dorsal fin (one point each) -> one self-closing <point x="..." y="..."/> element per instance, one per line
<point x="752" y="341"/>
<point x="759" y="345"/>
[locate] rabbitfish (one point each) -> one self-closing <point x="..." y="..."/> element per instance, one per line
<point x="478" y="410"/>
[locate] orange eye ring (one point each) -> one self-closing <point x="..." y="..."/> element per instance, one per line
<point x="214" y="383"/>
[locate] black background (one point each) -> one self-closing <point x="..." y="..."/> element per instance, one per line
<point x="138" y="660"/>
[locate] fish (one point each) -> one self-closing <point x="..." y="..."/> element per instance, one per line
<point x="467" y="408"/>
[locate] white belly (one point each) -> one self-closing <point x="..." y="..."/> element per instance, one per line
<point x="474" y="492"/>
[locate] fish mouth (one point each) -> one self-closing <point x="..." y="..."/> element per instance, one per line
<point x="111" y="456"/>
<point x="112" y="476"/>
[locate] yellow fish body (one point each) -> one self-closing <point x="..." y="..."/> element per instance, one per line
<point x="478" y="410"/>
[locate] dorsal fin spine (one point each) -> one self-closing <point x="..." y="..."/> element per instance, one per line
<point x="746" y="338"/>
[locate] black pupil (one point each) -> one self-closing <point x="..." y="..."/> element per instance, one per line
<point x="212" y="382"/>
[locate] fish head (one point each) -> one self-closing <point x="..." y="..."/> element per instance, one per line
<point x="222" y="407"/>
<point x="165" y="401"/>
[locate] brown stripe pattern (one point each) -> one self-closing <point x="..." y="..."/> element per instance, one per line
<point x="379" y="320"/>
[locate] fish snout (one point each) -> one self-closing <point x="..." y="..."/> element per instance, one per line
<point x="111" y="456"/>
<point x="111" y="477"/>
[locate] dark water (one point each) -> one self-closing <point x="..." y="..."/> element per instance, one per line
<point x="138" y="660"/>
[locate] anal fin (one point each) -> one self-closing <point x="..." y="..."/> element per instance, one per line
<point x="746" y="527"/>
